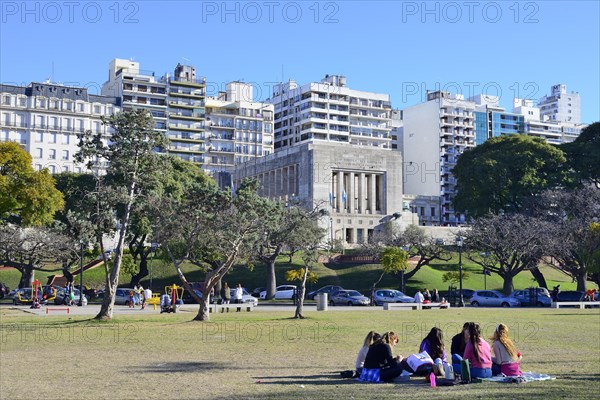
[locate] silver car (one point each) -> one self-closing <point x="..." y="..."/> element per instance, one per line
<point x="391" y="296"/>
<point x="348" y="298"/>
<point x="493" y="298"/>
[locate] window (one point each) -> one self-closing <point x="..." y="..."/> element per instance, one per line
<point x="52" y="138"/>
<point x="65" y="154"/>
<point x="39" y="137"/>
<point x="433" y="211"/>
<point x="65" y="168"/>
<point x="23" y="101"/>
<point x="422" y="211"/>
<point x="66" y="138"/>
<point x="38" y="153"/>
<point x="52" y="155"/>
<point x="6" y="100"/>
<point x="38" y="167"/>
<point x="52" y="169"/>
<point x="96" y="109"/>
<point x="81" y="107"/>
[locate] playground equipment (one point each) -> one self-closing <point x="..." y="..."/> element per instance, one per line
<point x="174" y="294"/>
<point x="36" y="294"/>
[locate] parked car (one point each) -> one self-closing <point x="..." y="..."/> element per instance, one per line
<point x="24" y="296"/>
<point x="246" y="298"/>
<point x="571" y="295"/>
<point x="256" y="291"/>
<point x="524" y="297"/>
<point x="329" y="289"/>
<point x="122" y="296"/>
<point x="60" y="297"/>
<point x="187" y="296"/>
<point x="391" y="296"/>
<point x="493" y="298"/>
<point x="349" y="298"/>
<point x="281" y="292"/>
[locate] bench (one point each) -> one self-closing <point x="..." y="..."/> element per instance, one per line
<point x="401" y="306"/>
<point x="68" y="309"/>
<point x="580" y="304"/>
<point x="440" y="306"/>
<point x="225" y="307"/>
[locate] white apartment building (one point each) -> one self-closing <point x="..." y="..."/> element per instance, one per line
<point x="45" y="118"/>
<point x="238" y="129"/>
<point x="435" y="133"/>
<point x="137" y="89"/>
<point x="330" y="111"/>
<point x="215" y="132"/>
<point x="561" y="106"/>
<point x="539" y="125"/>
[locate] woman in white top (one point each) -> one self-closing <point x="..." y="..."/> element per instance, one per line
<point x="238" y="295"/>
<point x="371" y="338"/>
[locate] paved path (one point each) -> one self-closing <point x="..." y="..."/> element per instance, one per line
<point x="93" y="309"/>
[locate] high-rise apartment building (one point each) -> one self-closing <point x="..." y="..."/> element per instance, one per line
<point x="238" y="129"/>
<point x="561" y="106"/>
<point x="435" y="133"/>
<point x="186" y="116"/>
<point x="215" y="132"/>
<point x="45" y="118"/>
<point x="330" y="111"/>
<point x="137" y="89"/>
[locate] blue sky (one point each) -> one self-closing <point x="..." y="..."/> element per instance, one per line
<point x="398" y="47"/>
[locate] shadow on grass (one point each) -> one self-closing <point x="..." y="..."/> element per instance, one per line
<point x="329" y="378"/>
<point x="186" y="366"/>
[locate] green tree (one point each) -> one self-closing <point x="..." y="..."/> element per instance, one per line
<point x="507" y="244"/>
<point x="133" y="171"/>
<point x="28" y="195"/>
<point x="583" y="155"/>
<point x="500" y="174"/>
<point x="572" y="231"/>
<point x="393" y="260"/>
<point x="212" y="230"/>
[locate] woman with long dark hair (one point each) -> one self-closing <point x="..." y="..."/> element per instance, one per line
<point x="433" y="344"/>
<point x="479" y="354"/>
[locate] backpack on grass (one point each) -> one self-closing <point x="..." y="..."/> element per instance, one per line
<point x="465" y="371"/>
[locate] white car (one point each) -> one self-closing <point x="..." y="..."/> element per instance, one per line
<point x="282" y="292"/>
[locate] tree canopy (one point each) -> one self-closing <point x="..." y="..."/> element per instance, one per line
<point x="500" y="174"/>
<point x="583" y="155"/>
<point x="28" y="197"/>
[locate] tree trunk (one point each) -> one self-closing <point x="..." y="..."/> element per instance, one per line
<point x="106" y="310"/>
<point x="300" y="296"/>
<point x="26" y="280"/>
<point x="271" y="279"/>
<point x="203" y="312"/>
<point x="581" y="280"/>
<point x="135" y="279"/>
<point x="508" y="287"/>
<point x="539" y="277"/>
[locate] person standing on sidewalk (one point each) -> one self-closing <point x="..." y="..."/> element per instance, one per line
<point x="238" y="296"/>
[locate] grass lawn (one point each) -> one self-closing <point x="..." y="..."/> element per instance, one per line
<point x="266" y="355"/>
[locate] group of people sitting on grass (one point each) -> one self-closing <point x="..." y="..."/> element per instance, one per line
<point x="376" y="361"/>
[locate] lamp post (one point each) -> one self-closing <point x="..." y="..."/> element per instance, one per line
<point x="459" y="244"/>
<point x="331" y="233"/>
<point x="81" y="276"/>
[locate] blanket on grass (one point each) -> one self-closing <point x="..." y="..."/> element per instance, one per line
<point x="526" y="377"/>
